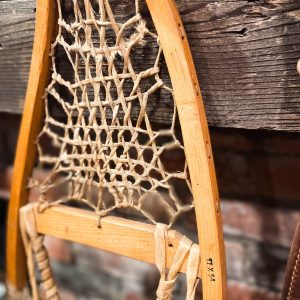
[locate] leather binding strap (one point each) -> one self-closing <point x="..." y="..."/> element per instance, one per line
<point x="291" y="287"/>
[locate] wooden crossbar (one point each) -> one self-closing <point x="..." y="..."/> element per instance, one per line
<point x="117" y="235"/>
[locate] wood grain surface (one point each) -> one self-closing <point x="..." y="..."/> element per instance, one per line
<point x="245" y="54"/>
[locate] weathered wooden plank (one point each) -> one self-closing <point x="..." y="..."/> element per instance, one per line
<point x="16" y="39"/>
<point x="245" y="54"/>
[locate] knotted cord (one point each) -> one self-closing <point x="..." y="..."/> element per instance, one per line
<point x="185" y="248"/>
<point x="105" y="144"/>
<point x="36" y="251"/>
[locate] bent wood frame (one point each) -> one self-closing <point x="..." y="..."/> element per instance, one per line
<point x="46" y="18"/>
<point x="197" y="149"/>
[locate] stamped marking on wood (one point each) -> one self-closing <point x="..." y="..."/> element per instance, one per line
<point x="210" y="268"/>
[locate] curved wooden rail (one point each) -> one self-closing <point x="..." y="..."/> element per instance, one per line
<point x="25" y="154"/>
<point x="196" y="144"/>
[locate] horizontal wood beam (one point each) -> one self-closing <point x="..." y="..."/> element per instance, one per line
<point x="117" y="235"/>
<point x="245" y="54"/>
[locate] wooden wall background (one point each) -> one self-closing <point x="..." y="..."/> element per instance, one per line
<point x="245" y="53"/>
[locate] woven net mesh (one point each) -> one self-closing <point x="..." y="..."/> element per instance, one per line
<point x="106" y="152"/>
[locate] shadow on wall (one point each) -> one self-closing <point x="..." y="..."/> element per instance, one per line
<point x="258" y="174"/>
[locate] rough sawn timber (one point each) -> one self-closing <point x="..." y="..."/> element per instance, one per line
<point x="245" y="53"/>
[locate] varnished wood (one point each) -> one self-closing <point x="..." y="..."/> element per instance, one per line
<point x="245" y="54"/>
<point x="25" y="154"/>
<point x="196" y="144"/>
<point x="117" y="235"/>
<point x="197" y="149"/>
